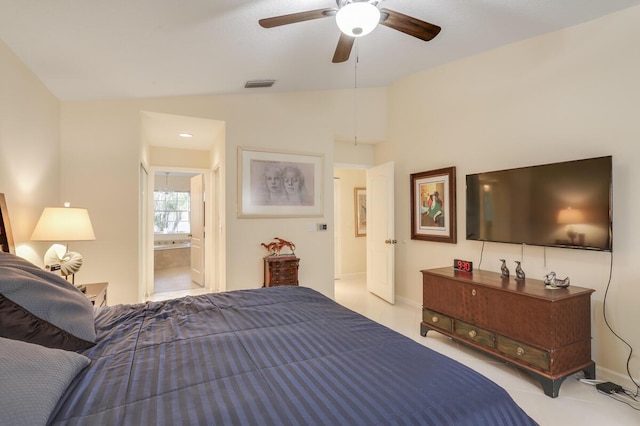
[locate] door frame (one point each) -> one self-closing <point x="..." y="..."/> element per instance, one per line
<point x="147" y="212"/>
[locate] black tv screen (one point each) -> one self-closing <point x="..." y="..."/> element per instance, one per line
<point x="564" y="204"/>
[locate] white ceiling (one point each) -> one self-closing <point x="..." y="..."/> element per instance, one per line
<point x="90" y="49"/>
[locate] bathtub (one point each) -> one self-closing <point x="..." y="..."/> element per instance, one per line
<point x="171" y="254"/>
<point x="170" y="245"/>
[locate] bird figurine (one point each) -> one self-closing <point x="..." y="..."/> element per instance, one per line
<point x="504" y="270"/>
<point x="519" y="272"/>
<point x="563" y="283"/>
<point x="550" y="278"/>
<point x="553" y="283"/>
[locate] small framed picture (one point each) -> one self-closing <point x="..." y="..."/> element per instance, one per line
<point x="360" y="211"/>
<point x="433" y="205"/>
<point x="279" y="184"/>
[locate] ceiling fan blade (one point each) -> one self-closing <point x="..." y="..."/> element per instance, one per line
<point x="292" y="18"/>
<point x="408" y="25"/>
<point x="343" y="49"/>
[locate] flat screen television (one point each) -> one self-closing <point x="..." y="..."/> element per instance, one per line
<point x="564" y="204"/>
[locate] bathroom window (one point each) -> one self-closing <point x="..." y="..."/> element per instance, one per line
<point x="172" y="212"/>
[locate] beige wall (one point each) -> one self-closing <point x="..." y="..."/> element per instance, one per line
<point x="566" y="95"/>
<point x="173" y="157"/>
<point x="100" y="166"/>
<point x="29" y="150"/>
<point x="353" y="250"/>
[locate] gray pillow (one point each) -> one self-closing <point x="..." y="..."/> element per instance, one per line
<point x="38" y="306"/>
<point x="33" y="380"/>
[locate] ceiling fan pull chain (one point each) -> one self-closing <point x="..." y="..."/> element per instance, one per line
<point x="355" y="97"/>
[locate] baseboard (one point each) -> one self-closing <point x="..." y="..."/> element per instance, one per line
<point x="410" y="302"/>
<point x="353" y="275"/>
<point x="615" y="377"/>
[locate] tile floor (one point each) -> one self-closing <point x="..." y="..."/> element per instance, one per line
<point x="577" y="404"/>
<point x="174" y="282"/>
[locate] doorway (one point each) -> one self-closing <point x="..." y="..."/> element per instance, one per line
<point x="178" y="232"/>
<point x="366" y="250"/>
<point x="350" y="246"/>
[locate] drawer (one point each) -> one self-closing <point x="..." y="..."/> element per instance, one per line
<point x="520" y="351"/>
<point x="287" y="272"/>
<point x="437" y="320"/>
<point x="283" y="282"/>
<point x="478" y="335"/>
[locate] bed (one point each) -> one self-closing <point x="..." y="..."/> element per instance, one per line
<point x="272" y="356"/>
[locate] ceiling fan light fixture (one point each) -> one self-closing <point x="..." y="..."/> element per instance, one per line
<point x="358" y="19"/>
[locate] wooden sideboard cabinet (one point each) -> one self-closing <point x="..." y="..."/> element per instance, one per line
<point x="545" y="332"/>
<point x="281" y="270"/>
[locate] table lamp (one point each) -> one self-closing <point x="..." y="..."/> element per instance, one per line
<point x="63" y="224"/>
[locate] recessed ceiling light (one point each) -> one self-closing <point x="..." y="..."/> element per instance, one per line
<point x="185" y="135"/>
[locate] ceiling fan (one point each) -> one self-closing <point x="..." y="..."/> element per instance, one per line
<point x="356" y="18"/>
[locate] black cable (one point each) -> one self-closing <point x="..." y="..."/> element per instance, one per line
<point x="630" y="394"/>
<point x="604" y="314"/>
<point x="613" y="396"/>
<point x="481" y="253"/>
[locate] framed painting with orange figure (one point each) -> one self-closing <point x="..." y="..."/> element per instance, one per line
<point x="433" y="205"/>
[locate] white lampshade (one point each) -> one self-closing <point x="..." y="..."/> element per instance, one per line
<point x="358" y="19"/>
<point x="63" y="224"/>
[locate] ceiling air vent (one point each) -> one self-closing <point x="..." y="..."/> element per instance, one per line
<point x="253" y="84"/>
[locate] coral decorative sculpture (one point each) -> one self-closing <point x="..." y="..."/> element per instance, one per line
<point x="275" y="247"/>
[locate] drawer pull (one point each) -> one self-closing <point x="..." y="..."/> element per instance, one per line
<point x="472" y="333"/>
<point x="520" y="351"/>
<point x="473" y="292"/>
<point x="435" y="319"/>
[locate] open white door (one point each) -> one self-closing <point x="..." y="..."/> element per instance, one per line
<point x="197" y="229"/>
<point x="337" y="235"/>
<point x="380" y="232"/>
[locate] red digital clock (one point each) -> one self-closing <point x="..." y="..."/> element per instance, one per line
<point x="462" y="265"/>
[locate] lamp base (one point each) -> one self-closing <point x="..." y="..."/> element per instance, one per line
<point x="82" y="288"/>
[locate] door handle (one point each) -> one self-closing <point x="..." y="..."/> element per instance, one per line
<point x="391" y="241"/>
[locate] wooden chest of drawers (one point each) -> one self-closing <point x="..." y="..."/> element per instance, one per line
<point x="280" y="270"/>
<point x="545" y="332"/>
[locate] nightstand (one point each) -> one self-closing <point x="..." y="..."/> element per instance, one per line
<point x="97" y="294"/>
<point x="281" y="270"/>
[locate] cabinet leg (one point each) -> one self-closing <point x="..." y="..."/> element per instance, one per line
<point x="590" y="371"/>
<point x="551" y="387"/>
<point x="424" y="329"/>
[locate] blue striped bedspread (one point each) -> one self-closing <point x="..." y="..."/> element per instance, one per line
<point x="270" y="356"/>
